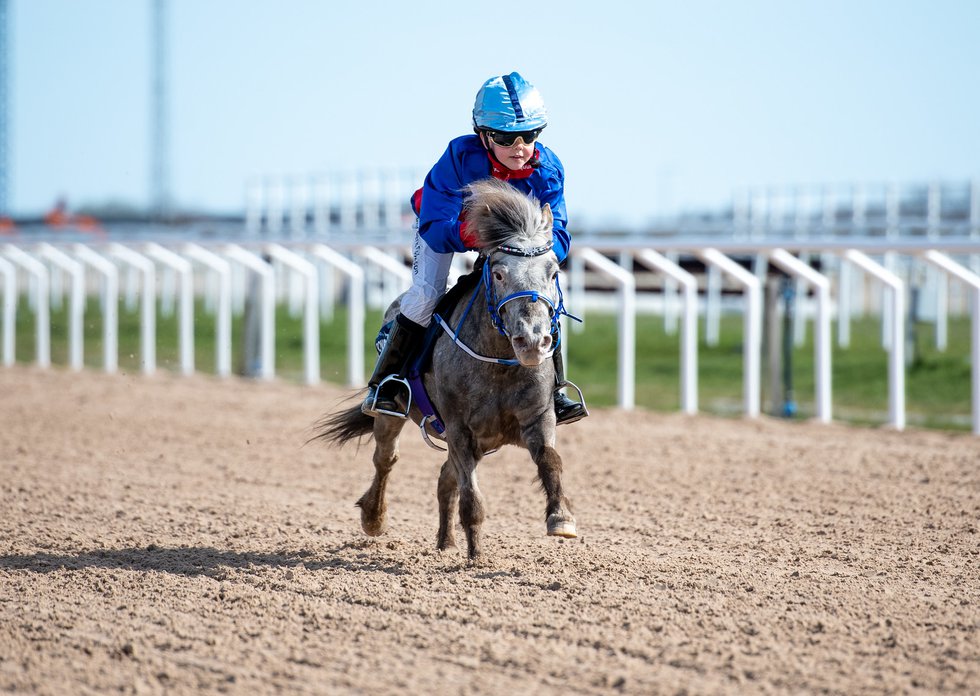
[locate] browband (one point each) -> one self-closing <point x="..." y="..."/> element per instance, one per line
<point x="523" y="251"/>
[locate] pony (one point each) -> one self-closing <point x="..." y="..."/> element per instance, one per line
<point x="490" y="377"/>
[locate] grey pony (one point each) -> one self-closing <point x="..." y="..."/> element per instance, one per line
<point x="483" y="405"/>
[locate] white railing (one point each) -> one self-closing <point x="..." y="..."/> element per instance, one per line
<point x="355" y="309"/>
<point x="222" y="329"/>
<point x="689" y="324"/>
<point x="751" y="326"/>
<point x="973" y="280"/>
<point x="266" y="367"/>
<point x="821" y="341"/>
<point x="148" y="303"/>
<point x="626" y="373"/>
<point x="185" y="313"/>
<point x="41" y="261"/>
<point x="311" y="312"/>
<point x="39" y="274"/>
<point x="9" y="274"/>
<point x="896" y="343"/>
<point x="76" y="307"/>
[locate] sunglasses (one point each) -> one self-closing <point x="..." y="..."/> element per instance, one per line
<point x="505" y="139"/>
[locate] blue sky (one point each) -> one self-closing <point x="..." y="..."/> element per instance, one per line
<point x="655" y="106"/>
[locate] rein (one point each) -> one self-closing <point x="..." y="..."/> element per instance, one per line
<point x="494" y="305"/>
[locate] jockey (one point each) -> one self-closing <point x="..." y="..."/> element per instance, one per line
<point x="508" y="116"/>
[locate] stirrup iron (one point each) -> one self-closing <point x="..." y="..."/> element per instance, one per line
<point x="581" y="396"/>
<point x="408" y="391"/>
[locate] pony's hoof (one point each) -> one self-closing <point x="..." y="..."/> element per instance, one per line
<point x="561" y="528"/>
<point x="374" y="528"/>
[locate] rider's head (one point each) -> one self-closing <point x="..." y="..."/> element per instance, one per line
<point x="508" y="115"/>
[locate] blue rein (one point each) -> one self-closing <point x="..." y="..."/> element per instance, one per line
<point x="494" y="305"/>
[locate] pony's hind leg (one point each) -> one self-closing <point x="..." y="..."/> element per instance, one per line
<point x="373" y="504"/>
<point x="448" y="495"/>
<point x="558" y="510"/>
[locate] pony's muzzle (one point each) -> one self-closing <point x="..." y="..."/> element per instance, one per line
<point x="542" y="343"/>
<point x="532" y="350"/>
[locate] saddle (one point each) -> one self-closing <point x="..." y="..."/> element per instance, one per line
<point x="420" y="359"/>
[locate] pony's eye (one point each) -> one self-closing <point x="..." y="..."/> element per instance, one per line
<point x="498" y="276"/>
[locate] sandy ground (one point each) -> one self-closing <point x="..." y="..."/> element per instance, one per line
<point x="168" y="535"/>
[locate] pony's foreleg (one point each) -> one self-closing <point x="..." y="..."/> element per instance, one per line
<point x="448" y="495"/>
<point x="558" y="511"/>
<point x="464" y="457"/>
<point x="373" y="504"/>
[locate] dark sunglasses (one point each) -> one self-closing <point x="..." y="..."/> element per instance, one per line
<point x="506" y="139"/>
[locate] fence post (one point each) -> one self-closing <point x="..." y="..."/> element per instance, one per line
<point x="311" y="311"/>
<point x="377" y="258"/>
<point x="973" y="280"/>
<point x="355" y="310"/>
<point x="627" y="322"/>
<point x="110" y="304"/>
<point x="821" y="333"/>
<point x="42" y="349"/>
<point x="267" y="315"/>
<point x="896" y="326"/>
<point x="185" y="316"/>
<point x="689" y="325"/>
<point x="751" y="325"/>
<point x="9" y="274"/>
<point x="148" y="308"/>
<point x="76" y="306"/>
<point x="223" y="312"/>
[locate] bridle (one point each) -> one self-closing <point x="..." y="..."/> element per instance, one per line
<point x="494" y="305"/>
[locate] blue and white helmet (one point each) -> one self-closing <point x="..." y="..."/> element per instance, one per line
<point x="509" y="103"/>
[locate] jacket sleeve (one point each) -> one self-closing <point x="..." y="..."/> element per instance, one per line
<point x="442" y="204"/>
<point x="553" y="194"/>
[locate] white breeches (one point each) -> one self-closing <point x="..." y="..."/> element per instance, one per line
<point x="430" y="271"/>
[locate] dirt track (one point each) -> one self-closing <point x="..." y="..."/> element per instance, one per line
<point x="173" y="535"/>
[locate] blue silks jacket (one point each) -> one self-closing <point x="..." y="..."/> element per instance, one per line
<point x="466" y="161"/>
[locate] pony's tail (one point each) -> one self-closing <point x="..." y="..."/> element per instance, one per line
<point x="344" y="426"/>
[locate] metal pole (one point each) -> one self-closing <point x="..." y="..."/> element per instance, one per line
<point x="185" y="315"/>
<point x="751" y="325"/>
<point x="896" y="354"/>
<point x="311" y="312"/>
<point x="76" y="307"/>
<point x="9" y="274"/>
<point x="110" y="304"/>
<point x="42" y="345"/>
<point x="821" y="333"/>
<point x="973" y="280"/>
<point x="222" y="269"/>
<point x="355" y="310"/>
<point x="626" y="379"/>
<point x="689" y="324"/>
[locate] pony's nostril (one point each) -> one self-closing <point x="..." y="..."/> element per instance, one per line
<point x="520" y="342"/>
<point x="546" y="342"/>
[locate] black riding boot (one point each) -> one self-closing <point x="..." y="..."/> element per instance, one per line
<point x="398" y="349"/>
<point x="566" y="410"/>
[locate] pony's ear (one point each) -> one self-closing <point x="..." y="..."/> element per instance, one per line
<point x="546" y="214"/>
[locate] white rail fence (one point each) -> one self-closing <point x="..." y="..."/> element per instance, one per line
<point x="315" y="275"/>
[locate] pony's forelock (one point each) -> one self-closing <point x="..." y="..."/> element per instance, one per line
<point x="496" y="212"/>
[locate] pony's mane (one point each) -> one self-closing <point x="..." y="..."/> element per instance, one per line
<point x="496" y="212"/>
